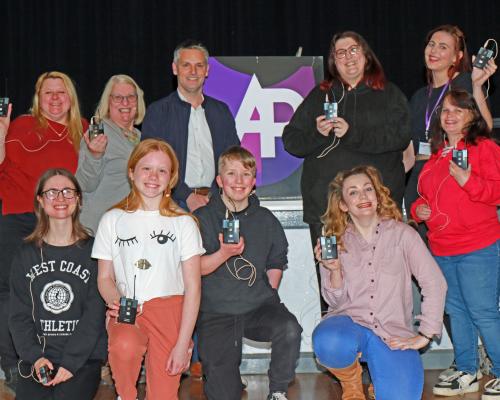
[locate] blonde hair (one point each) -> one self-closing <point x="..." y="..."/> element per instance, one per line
<point x="102" y="109"/>
<point x="75" y="127"/>
<point x="335" y="220"/>
<point x="238" y="153"/>
<point x="133" y="201"/>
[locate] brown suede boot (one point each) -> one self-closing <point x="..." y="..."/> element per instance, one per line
<point x="350" y="379"/>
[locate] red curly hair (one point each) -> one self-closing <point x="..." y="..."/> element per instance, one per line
<point x="335" y="220"/>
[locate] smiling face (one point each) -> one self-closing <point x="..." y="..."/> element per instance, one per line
<point x="151" y="177"/>
<point x="54" y="100"/>
<point x="351" y="67"/>
<point x="123" y="105"/>
<point x="236" y="182"/>
<point x="191" y="70"/>
<point x="454" y="120"/>
<point x="359" y="197"/>
<point x="441" y="52"/>
<point x="60" y="207"/>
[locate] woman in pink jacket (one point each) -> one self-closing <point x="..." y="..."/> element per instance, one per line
<point x="369" y="291"/>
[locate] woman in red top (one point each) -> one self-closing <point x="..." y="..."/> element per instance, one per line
<point x="47" y="138"/>
<point x="458" y="203"/>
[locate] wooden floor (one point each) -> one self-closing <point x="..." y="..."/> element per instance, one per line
<point x="305" y="387"/>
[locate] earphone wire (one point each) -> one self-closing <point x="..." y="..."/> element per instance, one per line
<point x="39" y="148"/>
<point x="41" y="338"/>
<point x="438" y="211"/>
<point x="336" y="140"/>
<point x="494" y="58"/>
<point x="237" y="269"/>
<point x="247" y="264"/>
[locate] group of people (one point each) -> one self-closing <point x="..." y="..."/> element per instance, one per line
<point x="163" y="203"/>
<point x="366" y="292"/>
<point x="112" y="219"/>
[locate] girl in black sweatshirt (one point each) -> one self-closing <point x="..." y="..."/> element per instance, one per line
<point x="56" y="313"/>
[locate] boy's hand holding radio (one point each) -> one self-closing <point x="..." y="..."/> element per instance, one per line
<point x="229" y="250"/>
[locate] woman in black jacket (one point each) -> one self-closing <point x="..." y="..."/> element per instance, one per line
<point x="371" y="126"/>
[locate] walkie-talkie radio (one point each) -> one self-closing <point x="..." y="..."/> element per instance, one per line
<point x="96" y="127"/>
<point x="459" y="157"/>
<point x="4" y="102"/>
<point x="128" y="309"/>
<point x="328" y="247"/>
<point x="45" y="374"/>
<point x="4" y="106"/>
<point x="330" y="110"/>
<point x="485" y="54"/>
<point x="231" y="231"/>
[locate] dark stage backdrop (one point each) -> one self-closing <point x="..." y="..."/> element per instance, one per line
<point x="92" y="40"/>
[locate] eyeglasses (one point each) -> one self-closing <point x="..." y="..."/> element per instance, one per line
<point x="52" y="194"/>
<point x="342" y="53"/>
<point x="118" y="99"/>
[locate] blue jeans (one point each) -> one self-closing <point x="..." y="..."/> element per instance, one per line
<point x="472" y="303"/>
<point x="396" y="374"/>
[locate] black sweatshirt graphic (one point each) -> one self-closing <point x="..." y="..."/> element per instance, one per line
<point x="68" y="309"/>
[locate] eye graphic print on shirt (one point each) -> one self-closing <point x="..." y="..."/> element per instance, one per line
<point x="142" y="246"/>
<point x="146" y="254"/>
<point x="57" y="297"/>
<point x="163" y="238"/>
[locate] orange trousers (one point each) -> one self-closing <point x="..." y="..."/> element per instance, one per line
<point x="154" y="334"/>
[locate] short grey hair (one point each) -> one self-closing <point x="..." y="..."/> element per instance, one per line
<point x="190" y="44"/>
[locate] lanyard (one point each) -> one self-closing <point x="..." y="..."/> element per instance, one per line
<point x="428" y="116"/>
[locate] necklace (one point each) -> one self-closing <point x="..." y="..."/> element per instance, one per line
<point x="131" y="136"/>
<point x="59" y="134"/>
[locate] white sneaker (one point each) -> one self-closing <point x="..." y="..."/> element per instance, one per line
<point x="277" y="396"/>
<point x="452" y="370"/>
<point x="491" y="390"/>
<point x="244" y="382"/>
<point x="447" y="372"/>
<point x="458" y="383"/>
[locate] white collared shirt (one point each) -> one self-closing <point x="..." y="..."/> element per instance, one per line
<point x="200" y="165"/>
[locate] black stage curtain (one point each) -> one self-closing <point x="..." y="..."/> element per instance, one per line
<point x="92" y="40"/>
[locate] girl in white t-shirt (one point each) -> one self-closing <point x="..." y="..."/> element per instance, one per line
<point x="149" y="250"/>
